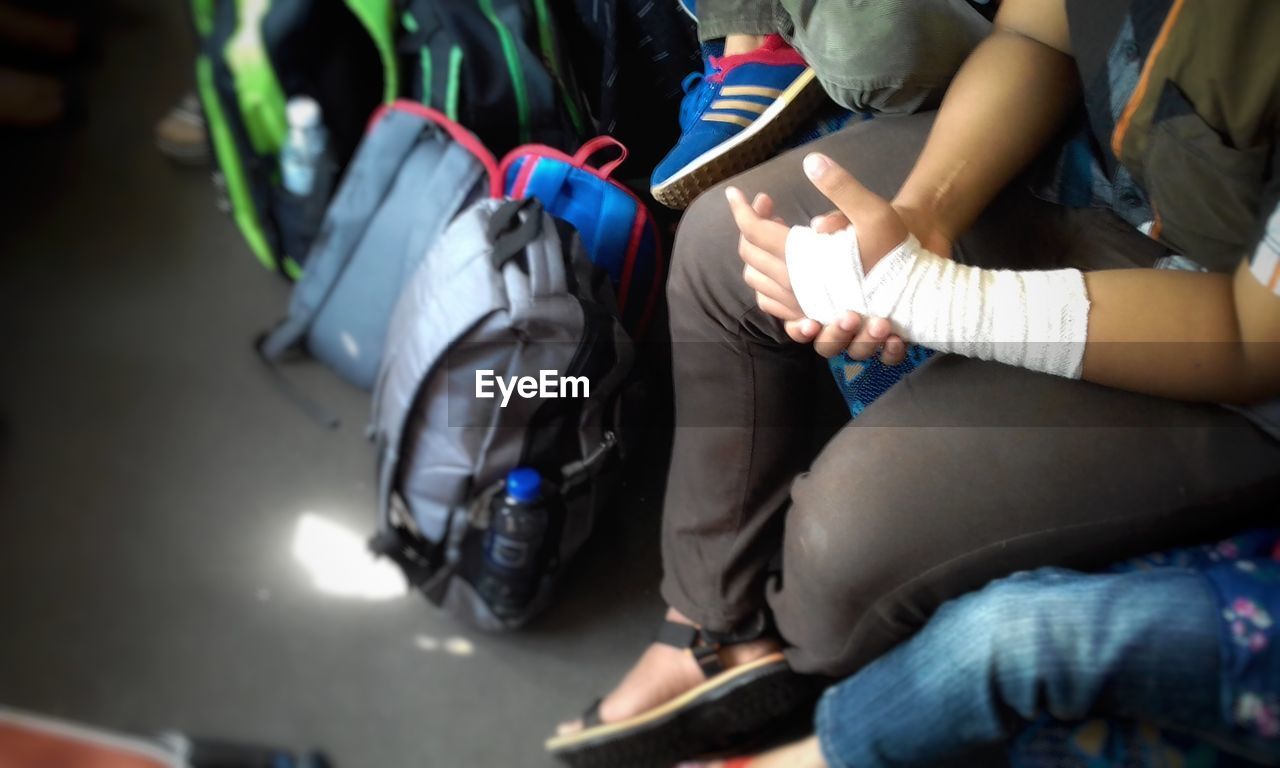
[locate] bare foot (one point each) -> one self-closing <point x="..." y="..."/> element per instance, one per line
<point x="802" y="754"/>
<point x="663" y="673"/>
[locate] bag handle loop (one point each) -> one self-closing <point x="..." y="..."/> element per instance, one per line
<point x="596" y="145"/>
<point x="455" y="131"/>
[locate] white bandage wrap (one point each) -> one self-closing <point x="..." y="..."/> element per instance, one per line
<point x="1034" y="320"/>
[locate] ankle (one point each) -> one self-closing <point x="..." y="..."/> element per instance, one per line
<point x="744" y="653"/>
<point x="734" y="654"/>
<point x="736" y="44"/>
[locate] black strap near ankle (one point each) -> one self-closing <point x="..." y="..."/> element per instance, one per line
<point x="705" y="644"/>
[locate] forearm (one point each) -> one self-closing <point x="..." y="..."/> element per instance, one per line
<point x="1179" y="335"/>
<point x="1006" y="103"/>
<point x="1182" y="335"/>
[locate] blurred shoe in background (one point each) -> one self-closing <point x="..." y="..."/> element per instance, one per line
<point x="181" y="135"/>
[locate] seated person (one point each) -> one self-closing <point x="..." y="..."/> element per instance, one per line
<point x="883" y="57"/>
<point x="1080" y="421"/>
<point x="1184" y="641"/>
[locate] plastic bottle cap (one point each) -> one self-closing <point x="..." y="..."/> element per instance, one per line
<point x="302" y="112"/>
<point x="524" y="484"/>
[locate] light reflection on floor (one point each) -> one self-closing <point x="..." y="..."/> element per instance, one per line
<point x="454" y="646"/>
<point x="340" y="564"/>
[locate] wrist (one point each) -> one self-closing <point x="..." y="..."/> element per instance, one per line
<point x="924" y="220"/>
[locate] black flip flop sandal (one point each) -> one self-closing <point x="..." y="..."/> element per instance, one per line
<point x="731" y="708"/>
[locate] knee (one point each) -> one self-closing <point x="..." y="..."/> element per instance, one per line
<point x="846" y="552"/>
<point x="848" y="526"/>
<point x="867" y="549"/>
<point x="1017" y="636"/>
<point x="894" y="63"/>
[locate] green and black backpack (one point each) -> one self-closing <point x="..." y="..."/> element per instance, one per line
<point x="497" y="67"/>
<point x="254" y="55"/>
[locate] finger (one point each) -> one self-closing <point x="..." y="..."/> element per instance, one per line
<point x="768" y="264"/>
<point x="879" y="226"/>
<point x="895" y="350"/>
<point x="762" y="232"/>
<point x="802" y="331"/>
<point x="778" y="309"/>
<point x="873" y="333"/>
<point x="836" y="337"/>
<point x="763" y="205"/>
<point x="763" y="285"/>
<point x="829" y="222"/>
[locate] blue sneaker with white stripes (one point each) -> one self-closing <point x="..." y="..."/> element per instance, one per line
<point x="734" y="116"/>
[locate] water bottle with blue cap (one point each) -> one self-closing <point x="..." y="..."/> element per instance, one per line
<point x="514" y="544"/>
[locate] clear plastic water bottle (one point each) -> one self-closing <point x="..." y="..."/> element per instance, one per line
<point x="514" y="545"/>
<point x="304" y="149"/>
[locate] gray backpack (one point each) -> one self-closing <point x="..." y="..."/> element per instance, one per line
<point x="413" y="172"/>
<point x="508" y="290"/>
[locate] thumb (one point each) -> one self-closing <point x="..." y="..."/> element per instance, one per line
<point x="879" y="227"/>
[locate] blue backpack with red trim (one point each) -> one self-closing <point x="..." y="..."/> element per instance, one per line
<point x="616" y="229"/>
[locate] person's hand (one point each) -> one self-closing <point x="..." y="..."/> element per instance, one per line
<point x="763" y="252"/>
<point x="881" y="226"/>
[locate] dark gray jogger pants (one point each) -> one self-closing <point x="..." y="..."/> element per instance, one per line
<point x="963" y="472"/>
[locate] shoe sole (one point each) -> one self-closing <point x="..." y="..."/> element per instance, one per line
<point x="717" y="716"/>
<point x="752" y="146"/>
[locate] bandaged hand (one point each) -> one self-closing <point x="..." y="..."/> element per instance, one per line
<point x="877" y="266"/>
<point x="765" y="272"/>
<point x="1033" y="320"/>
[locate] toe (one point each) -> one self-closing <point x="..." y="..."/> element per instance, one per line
<point x="569" y="728"/>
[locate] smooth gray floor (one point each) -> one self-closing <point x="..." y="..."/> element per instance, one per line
<point x="152" y="478"/>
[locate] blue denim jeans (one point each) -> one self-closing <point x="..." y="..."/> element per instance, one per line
<point x="1141" y="645"/>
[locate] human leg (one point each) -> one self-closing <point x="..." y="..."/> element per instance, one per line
<point x="968" y="470"/>
<point x="887" y="57"/>
<point x="1049" y="642"/>
<point x="724" y="18"/>
<point x="752" y="409"/>
<point x="1134" y="645"/>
